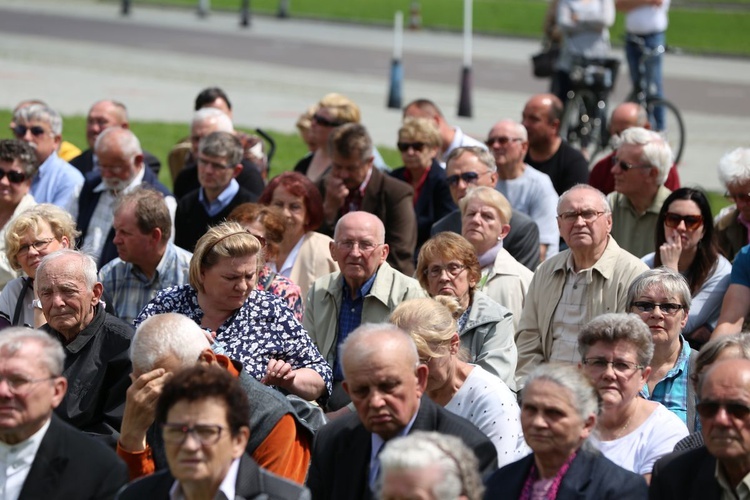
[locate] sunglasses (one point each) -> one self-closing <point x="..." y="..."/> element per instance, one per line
<point x="467" y="177"/>
<point x="325" y="122"/>
<point x="709" y="409"/>
<point x="13" y="176"/>
<point x="36" y="130"/>
<point x="692" y="222"/>
<point x="667" y="308"/>
<point x="416" y="146"/>
<point x="627" y="166"/>
<point x="743" y="197"/>
<point x="502" y="140"/>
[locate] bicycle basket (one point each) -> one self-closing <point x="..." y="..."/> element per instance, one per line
<point x="594" y="74"/>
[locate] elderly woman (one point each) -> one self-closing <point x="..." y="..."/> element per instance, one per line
<point x="464" y="389"/>
<point x="419" y="143"/>
<point x="661" y="298"/>
<point x="685" y="243"/>
<point x="731" y="229"/>
<point x="447" y="265"/>
<point x="485" y="216"/>
<point x="616" y="350"/>
<point x="17" y="169"/>
<point x="253" y="327"/>
<point x="38" y="231"/>
<point x="268" y="225"/>
<point x="558" y="414"/>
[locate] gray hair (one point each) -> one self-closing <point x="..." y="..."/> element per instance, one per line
<point x="124" y="138"/>
<point x="602" y="197"/>
<point x="367" y="331"/>
<point x="662" y="278"/>
<point x="734" y="167"/>
<point x="584" y="397"/>
<point x="350" y="140"/>
<point x="613" y="327"/>
<point x="220" y="119"/>
<point x="52" y="353"/>
<point x="481" y="154"/>
<point x="713" y="348"/>
<point x="656" y="150"/>
<point x="458" y="465"/>
<point x="40" y="113"/>
<point x="518" y="128"/>
<point x="14" y="149"/>
<point x="222" y="145"/>
<point x="165" y="335"/>
<point x="86" y="267"/>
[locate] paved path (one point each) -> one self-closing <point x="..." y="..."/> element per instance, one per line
<point x="157" y="60"/>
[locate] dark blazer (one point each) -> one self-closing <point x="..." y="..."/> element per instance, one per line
<point x="341" y="451"/>
<point x="187" y="180"/>
<point x="71" y="465"/>
<point x="85" y="162"/>
<point x="685" y="475"/>
<point x="590" y="476"/>
<point x="391" y="201"/>
<point x="522" y="241"/>
<point x="252" y="482"/>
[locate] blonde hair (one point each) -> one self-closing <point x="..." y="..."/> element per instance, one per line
<point x="59" y="220"/>
<point x="422" y="130"/>
<point x="430" y="322"/>
<point x="343" y="109"/>
<point x="490" y="197"/>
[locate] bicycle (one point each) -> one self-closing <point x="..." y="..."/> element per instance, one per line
<point x="673" y="126"/>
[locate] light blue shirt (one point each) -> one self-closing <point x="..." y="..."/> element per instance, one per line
<point x="57" y="182"/>
<point x="222" y="201"/>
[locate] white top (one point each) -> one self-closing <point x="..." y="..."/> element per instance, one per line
<point x="533" y="194"/>
<point x="485" y="401"/>
<point x="227" y="488"/>
<point x="460" y="140"/>
<point x="639" y="450"/>
<point x="286" y="268"/>
<point x="648" y="19"/>
<point x="16" y="461"/>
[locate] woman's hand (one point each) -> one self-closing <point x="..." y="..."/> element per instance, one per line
<point x="670" y="252"/>
<point x="304" y="382"/>
<point x="279" y="373"/>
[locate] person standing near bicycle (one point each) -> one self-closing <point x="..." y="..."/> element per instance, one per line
<point x="646" y="20"/>
<point x="584" y="25"/>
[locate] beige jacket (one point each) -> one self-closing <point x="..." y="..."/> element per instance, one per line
<point x="313" y="261"/>
<point x="612" y="275"/>
<point x="507" y="283"/>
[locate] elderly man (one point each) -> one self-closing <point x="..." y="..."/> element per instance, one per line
<point x="57" y="181"/>
<point x="102" y="115"/>
<point x="147" y="261"/>
<point x="352" y="184"/>
<point x="96" y="343"/>
<point x="279" y="440"/>
<point x="526" y="188"/>
<point x="452" y="137"/>
<point x="121" y="169"/>
<point x="625" y="116"/>
<point x="643" y="161"/>
<point x="590" y="278"/>
<point x="219" y="163"/>
<point x="202" y="413"/>
<point x="472" y="166"/>
<point x="207" y="120"/>
<point x="366" y="290"/>
<point x="547" y="152"/>
<point x="44" y="457"/>
<point x="732" y="223"/>
<point x="721" y="468"/>
<point x="386" y="381"/>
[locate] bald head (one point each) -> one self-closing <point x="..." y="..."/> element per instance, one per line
<point x="627" y="115"/>
<point x="103" y="115"/>
<point x="365" y="220"/>
<point x="365" y="341"/>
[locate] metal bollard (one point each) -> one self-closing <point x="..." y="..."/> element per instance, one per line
<point x="283" y="11"/>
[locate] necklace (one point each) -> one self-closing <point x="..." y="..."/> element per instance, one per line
<point x="622" y="429"/>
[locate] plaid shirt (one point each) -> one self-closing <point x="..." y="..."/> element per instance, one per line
<point x="672" y="390"/>
<point x="130" y="290"/>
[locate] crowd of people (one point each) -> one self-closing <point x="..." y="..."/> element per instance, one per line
<point x="486" y="321"/>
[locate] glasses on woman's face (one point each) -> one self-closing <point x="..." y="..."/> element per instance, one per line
<point x="324" y="122"/>
<point x="13" y="176"/>
<point x="178" y="433"/>
<point x="668" y="308"/>
<point x="453" y="269"/>
<point x="416" y="146"/>
<point x="38" y="245"/>
<point x="620" y="367"/>
<point x="692" y="222"/>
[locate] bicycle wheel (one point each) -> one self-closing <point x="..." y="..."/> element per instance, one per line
<point x="581" y="123"/>
<point x="674" y="126"/>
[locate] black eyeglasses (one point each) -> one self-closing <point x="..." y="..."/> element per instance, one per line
<point x="325" y="122"/>
<point x="467" y="177"/>
<point x="416" y="146"/>
<point x="177" y="433"/>
<point x="709" y="409"/>
<point x="502" y="140"/>
<point x="13" y="176"/>
<point x="20" y="130"/>
<point x="692" y="222"/>
<point x="627" y="166"/>
<point x="667" y="308"/>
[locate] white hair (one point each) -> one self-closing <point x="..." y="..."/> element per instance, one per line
<point x="165" y="335"/>
<point x="86" y="267"/>
<point x="218" y="117"/>
<point x="602" y="196"/>
<point x="40" y="113"/>
<point x="734" y="167"/>
<point x="656" y="150"/>
<point x="52" y="353"/>
<point x="129" y="144"/>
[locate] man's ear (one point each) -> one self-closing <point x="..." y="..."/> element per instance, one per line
<point x="98" y="290"/>
<point x="422" y="372"/>
<point x="60" y="386"/>
<point x="207" y="357"/>
<point x="237" y="170"/>
<point x="386" y="250"/>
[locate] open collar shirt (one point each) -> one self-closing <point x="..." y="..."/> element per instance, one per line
<point x="16" y="461"/>
<point x="222" y="201"/>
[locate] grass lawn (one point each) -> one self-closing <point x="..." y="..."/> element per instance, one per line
<point x="705" y="29"/>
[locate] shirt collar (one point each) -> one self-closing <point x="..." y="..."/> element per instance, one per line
<point x="378" y="442"/>
<point x="363" y="290"/>
<point x="24" y="451"/>
<point x="224" y="197"/>
<point x="227" y="487"/>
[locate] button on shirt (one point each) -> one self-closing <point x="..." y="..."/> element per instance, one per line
<point x="350" y="317"/>
<point x="15" y="463"/>
<point x="226" y="490"/>
<point x="570" y="314"/>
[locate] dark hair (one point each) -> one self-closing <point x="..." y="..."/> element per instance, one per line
<point x="425" y="105"/>
<point x="271" y="218"/>
<point x="350" y="141"/>
<point x="298" y="185"/>
<point x="149" y="208"/>
<point x="209" y="95"/>
<point x="707" y="254"/>
<point x="203" y="382"/>
<point x="14" y="149"/>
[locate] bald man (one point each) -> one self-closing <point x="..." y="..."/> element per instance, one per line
<point x="385" y="380"/>
<point x="366" y="289"/>
<point x="625" y="116"/>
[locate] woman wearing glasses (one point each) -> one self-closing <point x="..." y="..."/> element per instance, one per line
<point x="37" y="232"/>
<point x="616" y="350"/>
<point x="419" y="143"/>
<point x="685" y="242"/>
<point x="448" y="265"/>
<point x="661" y="298"/>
